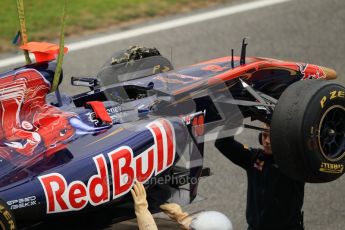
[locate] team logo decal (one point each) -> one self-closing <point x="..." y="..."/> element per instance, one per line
<point x="124" y="169"/>
<point x="311" y="71"/>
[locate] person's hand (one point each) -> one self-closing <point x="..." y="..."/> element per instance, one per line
<point x="139" y="196"/>
<point x="144" y="217"/>
<point x="174" y="211"/>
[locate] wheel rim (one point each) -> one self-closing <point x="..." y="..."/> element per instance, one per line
<point x="332" y="133"/>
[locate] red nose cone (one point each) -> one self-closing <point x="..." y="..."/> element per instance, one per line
<point x="43" y="51"/>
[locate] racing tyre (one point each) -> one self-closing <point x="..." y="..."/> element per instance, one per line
<point x="308" y="131"/>
<point x="7" y="221"/>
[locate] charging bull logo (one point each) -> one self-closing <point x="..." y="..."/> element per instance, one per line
<point x="311" y="71"/>
<point x="125" y="169"/>
<point x="28" y="122"/>
<point x="26" y="119"/>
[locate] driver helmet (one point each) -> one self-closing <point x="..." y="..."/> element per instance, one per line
<point x="210" y="220"/>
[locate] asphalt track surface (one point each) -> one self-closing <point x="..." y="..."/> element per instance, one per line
<point x="301" y="30"/>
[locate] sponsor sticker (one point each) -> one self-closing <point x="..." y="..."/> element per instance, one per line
<point x="332" y="95"/>
<point x="22" y="202"/>
<point x="116" y="179"/>
<point x="331" y="168"/>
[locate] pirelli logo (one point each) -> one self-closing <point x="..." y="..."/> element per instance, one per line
<point x="331" y="168"/>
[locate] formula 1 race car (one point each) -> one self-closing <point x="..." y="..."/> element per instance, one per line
<point x="141" y="120"/>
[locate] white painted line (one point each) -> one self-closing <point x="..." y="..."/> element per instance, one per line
<point x="158" y="27"/>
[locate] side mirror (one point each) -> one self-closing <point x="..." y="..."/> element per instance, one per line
<point x="90" y="82"/>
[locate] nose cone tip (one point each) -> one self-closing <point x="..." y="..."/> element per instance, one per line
<point x="330" y="73"/>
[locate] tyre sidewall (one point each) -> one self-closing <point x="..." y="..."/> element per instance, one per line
<point x="319" y="166"/>
<point x="6" y="217"/>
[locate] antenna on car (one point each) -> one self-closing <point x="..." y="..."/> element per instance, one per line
<point x="58" y="69"/>
<point x="232" y="59"/>
<point x="243" y="51"/>
<point x="23" y="33"/>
